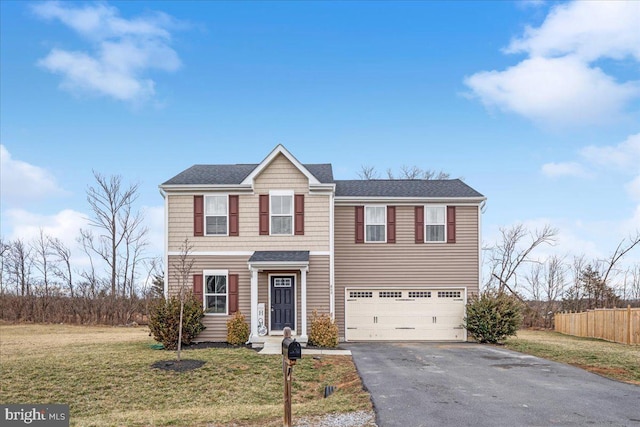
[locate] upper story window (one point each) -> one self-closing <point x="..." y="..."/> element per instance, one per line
<point x="216" y="215"/>
<point x="215" y="291"/>
<point x="435" y="223"/>
<point x="281" y="212"/>
<point x="375" y="221"/>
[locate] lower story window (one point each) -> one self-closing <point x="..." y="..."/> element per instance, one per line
<point x="215" y="292"/>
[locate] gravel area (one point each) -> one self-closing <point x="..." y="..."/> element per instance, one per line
<point x="348" y="419"/>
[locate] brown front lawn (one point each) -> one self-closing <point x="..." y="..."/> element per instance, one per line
<point x="617" y="361"/>
<point x="105" y="375"/>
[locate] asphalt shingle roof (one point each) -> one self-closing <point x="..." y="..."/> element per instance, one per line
<point x="279" y="256"/>
<point x="404" y="188"/>
<point x="235" y="174"/>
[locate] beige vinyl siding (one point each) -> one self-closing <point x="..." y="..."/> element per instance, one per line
<point x="317" y="289"/>
<point x="279" y="175"/>
<point x="404" y="263"/>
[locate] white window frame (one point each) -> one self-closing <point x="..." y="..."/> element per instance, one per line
<point x="205" y="214"/>
<point x="209" y="273"/>
<point x="444" y="223"/>
<point x="384" y="224"/>
<point x="286" y="193"/>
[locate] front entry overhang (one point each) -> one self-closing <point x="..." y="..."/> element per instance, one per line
<point x="279" y="261"/>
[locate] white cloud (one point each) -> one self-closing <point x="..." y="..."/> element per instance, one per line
<point x="558" y="84"/>
<point x="554" y="90"/>
<point x="22" y="182"/>
<point x="121" y="50"/>
<point x="625" y="155"/>
<point x="64" y="225"/>
<point x="633" y="188"/>
<point x="587" y="29"/>
<point x="563" y="169"/>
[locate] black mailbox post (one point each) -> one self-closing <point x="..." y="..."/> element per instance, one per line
<point x="291" y="351"/>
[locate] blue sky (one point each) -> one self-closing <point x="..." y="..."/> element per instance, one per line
<point x="535" y="104"/>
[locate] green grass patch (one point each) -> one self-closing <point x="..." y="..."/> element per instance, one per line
<point x="105" y="375"/>
<point x="617" y="361"/>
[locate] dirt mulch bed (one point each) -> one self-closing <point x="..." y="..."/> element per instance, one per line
<point x="184" y="365"/>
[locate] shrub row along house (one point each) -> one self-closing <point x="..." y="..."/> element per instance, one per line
<point x="387" y="259"/>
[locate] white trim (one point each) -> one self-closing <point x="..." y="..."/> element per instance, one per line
<point x="444" y="224"/>
<point x="280" y="193"/>
<point x="196" y="189"/>
<point x="295" y="299"/>
<point x="254" y="305"/>
<point x="303" y="304"/>
<point x="332" y="283"/>
<point x="165" y="279"/>
<point x="384" y="223"/>
<point x="451" y="201"/>
<point x="204" y="214"/>
<point x="240" y="253"/>
<point x="479" y="249"/>
<point x="279" y="150"/>
<point x="209" y="273"/>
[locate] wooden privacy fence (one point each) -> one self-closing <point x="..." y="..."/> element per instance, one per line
<point x="612" y="324"/>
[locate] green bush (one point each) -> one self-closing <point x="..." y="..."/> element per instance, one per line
<point x="324" y="331"/>
<point x="493" y="316"/>
<point x="164" y="318"/>
<point x="237" y="329"/>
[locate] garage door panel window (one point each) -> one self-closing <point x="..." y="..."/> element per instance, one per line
<point x="435" y="223"/>
<point x="449" y="294"/>
<point x="375" y="223"/>
<point x="419" y="294"/>
<point x="390" y="294"/>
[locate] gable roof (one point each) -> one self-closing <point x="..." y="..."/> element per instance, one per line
<point x="280" y="150"/>
<point x="404" y="188"/>
<point x="235" y="174"/>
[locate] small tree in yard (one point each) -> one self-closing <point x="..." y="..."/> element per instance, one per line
<point x="164" y="320"/>
<point x="493" y="316"/>
<point x="237" y="329"/>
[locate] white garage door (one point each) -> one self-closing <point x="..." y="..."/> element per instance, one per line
<point x="404" y="314"/>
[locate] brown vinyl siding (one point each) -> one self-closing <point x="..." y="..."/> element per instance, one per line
<point x="406" y="263"/>
<point x="317" y="289"/>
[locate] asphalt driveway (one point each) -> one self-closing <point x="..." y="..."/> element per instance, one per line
<point x="464" y="384"/>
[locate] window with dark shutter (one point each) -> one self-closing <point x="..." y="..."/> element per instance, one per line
<point x="233" y="215"/>
<point x="419" y="223"/>
<point x="451" y="224"/>
<point x="197" y="286"/>
<point x="264" y="214"/>
<point x="391" y="224"/>
<point x="198" y="215"/>
<point x="359" y="224"/>
<point x="233" y="293"/>
<point x="299" y="212"/>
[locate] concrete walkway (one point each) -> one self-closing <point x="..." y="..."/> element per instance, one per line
<point x="273" y="345"/>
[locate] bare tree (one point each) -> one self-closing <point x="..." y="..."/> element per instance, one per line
<point x="5" y="248"/>
<point x="182" y="267"/>
<point x="19" y="263"/>
<point x="608" y="265"/>
<point x="368" y="172"/>
<point x="62" y="266"/>
<point x="546" y="285"/>
<point x="43" y="263"/>
<point x="112" y="206"/>
<point x="512" y="250"/>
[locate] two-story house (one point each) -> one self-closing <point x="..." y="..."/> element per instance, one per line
<point x="387" y="259"/>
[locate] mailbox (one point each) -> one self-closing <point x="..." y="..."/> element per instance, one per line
<point x="291" y="349"/>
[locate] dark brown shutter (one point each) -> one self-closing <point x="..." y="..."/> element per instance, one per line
<point x="419" y="224"/>
<point x="233" y="293"/>
<point x="264" y="214"/>
<point x="359" y="224"/>
<point x="299" y="210"/>
<point x="451" y="224"/>
<point x="391" y="224"/>
<point x="197" y="286"/>
<point x="198" y="215"/>
<point x="233" y="215"/>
